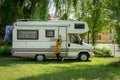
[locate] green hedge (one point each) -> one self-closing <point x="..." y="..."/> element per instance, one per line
<point x="5" y="50"/>
<point x="102" y="52"/>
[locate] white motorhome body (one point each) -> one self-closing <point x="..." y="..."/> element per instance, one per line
<point x="37" y="39"/>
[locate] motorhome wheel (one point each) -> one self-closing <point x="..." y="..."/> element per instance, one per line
<point x="40" y="58"/>
<point x="83" y="57"/>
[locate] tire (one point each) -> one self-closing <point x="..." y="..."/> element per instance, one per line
<point x="83" y="57"/>
<point x="40" y="58"/>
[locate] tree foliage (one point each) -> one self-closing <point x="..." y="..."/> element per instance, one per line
<point x="114" y="6"/>
<point x="11" y="10"/>
<point x="65" y="7"/>
<point x="94" y="14"/>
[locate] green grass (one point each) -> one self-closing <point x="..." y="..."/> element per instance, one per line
<point x="27" y="69"/>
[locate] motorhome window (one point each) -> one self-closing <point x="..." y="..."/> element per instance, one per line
<point x="50" y="33"/>
<point x="74" y="39"/>
<point x="27" y="34"/>
<point x="79" y="26"/>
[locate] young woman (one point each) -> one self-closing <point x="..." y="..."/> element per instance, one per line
<point x="58" y="49"/>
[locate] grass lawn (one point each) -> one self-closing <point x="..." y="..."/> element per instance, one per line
<point x="27" y="69"/>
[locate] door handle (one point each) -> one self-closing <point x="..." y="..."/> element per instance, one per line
<point x="68" y="44"/>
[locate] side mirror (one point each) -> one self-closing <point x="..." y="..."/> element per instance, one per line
<point x="81" y="42"/>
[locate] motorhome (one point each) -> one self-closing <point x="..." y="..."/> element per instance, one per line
<point x="37" y="39"/>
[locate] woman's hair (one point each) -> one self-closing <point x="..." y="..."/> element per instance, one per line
<point x="58" y="40"/>
<point x="59" y="36"/>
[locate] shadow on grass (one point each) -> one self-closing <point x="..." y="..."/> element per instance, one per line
<point x="10" y="61"/>
<point x="71" y="72"/>
<point x="81" y="72"/>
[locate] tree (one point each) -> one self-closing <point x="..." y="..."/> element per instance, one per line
<point x="114" y="6"/>
<point x="42" y="10"/>
<point x="94" y="14"/>
<point x="11" y="10"/>
<point x="36" y="9"/>
<point x="63" y="8"/>
<point x="66" y="7"/>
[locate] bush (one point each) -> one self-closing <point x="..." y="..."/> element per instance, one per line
<point x="5" y="50"/>
<point x="102" y="52"/>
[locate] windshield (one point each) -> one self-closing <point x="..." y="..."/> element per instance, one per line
<point x="75" y="39"/>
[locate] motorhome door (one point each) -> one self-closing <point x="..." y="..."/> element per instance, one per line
<point x="63" y="32"/>
<point x="74" y="45"/>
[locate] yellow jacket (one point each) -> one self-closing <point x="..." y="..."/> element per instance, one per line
<point x="58" y="46"/>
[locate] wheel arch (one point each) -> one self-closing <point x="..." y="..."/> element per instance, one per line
<point x="39" y="54"/>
